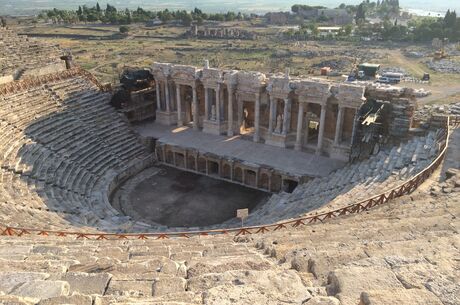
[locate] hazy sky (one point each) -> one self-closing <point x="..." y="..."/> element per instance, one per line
<point x="259" y="6"/>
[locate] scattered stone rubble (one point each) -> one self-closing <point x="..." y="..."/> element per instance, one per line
<point x="426" y="111"/>
<point x="444" y="66"/>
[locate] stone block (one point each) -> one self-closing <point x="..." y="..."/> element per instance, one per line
<point x="11" y="280"/>
<point x="130" y="288"/>
<point x="348" y="282"/>
<point x="320" y="300"/>
<point x="75" y="299"/>
<point x="87" y="283"/>
<point x="167" y="285"/>
<point x="399" y="296"/>
<point x="43" y="289"/>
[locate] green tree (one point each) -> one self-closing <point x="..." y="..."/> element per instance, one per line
<point x="360" y="14"/>
<point x="124" y="29"/>
<point x="187" y="19"/>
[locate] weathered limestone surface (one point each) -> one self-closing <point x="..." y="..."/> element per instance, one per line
<point x="87" y="283"/>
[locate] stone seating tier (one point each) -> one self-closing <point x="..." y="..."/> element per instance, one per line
<point x="61" y="146"/>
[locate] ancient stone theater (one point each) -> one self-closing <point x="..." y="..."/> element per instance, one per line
<point x="186" y="185"/>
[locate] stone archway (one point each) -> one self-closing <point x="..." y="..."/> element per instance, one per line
<point x="264" y="181"/>
<point x="250" y="178"/>
<point x="169" y="157"/>
<point x="180" y="160"/>
<point x="276" y="183"/>
<point x="226" y="171"/>
<point x="191" y="162"/>
<point x="238" y="175"/>
<point x="213" y="168"/>
<point x="202" y="165"/>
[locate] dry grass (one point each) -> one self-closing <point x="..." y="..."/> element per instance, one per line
<point x="105" y="55"/>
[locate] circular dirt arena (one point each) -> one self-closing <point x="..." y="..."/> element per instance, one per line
<point x="178" y="198"/>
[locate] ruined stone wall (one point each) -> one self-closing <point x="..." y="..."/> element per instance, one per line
<point x="400" y="117"/>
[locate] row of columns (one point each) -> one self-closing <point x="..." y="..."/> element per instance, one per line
<point x="338" y="127"/>
<point x="180" y="120"/>
<point x="272" y="114"/>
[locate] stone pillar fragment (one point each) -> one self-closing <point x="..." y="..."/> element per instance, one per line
<point x="179" y="106"/>
<point x="287" y="116"/>
<point x="272" y="115"/>
<point x="230" y="112"/>
<point x="257" y="118"/>
<point x="339" y="125"/>
<point x="240" y="113"/>
<point x="322" y="122"/>
<point x="195" y="108"/>
<point x="298" y="142"/>
<point x="157" y="89"/>
<point x="206" y="103"/>
<point x="218" y="106"/>
<point x="168" y="108"/>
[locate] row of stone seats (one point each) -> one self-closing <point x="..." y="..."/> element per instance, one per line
<point x="403" y="253"/>
<point x="400" y="253"/>
<point x="60" y="148"/>
<point x="353" y="183"/>
<point x="194" y="271"/>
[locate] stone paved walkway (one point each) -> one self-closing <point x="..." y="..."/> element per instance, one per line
<point x="288" y="160"/>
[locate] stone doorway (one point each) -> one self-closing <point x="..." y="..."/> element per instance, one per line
<point x="248" y="116"/>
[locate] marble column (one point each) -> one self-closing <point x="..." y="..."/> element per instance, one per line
<point x="179" y="106"/>
<point x="218" y="111"/>
<point x="307" y="131"/>
<point x="195" y="108"/>
<point x="298" y="141"/>
<point x="257" y="118"/>
<point x="322" y="122"/>
<point x="339" y="125"/>
<point x="240" y="113"/>
<point x="230" y="111"/>
<point x="272" y="115"/>
<point x="157" y="89"/>
<point x="287" y="116"/>
<point x="206" y="103"/>
<point x="168" y="108"/>
<point x="355" y="123"/>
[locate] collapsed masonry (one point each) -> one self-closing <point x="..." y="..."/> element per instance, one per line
<point x="220" y="33"/>
<point x="135" y="97"/>
<point x="306" y="114"/>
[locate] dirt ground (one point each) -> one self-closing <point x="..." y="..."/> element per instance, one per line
<point x="177" y="198"/>
<point x="99" y="49"/>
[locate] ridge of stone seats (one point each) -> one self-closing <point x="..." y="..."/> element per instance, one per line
<point x="211" y="270"/>
<point x="61" y="148"/>
<point x="355" y="182"/>
<point x="401" y="253"/>
<point x="22" y="54"/>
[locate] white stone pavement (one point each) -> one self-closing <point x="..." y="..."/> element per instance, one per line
<point x="287" y="160"/>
